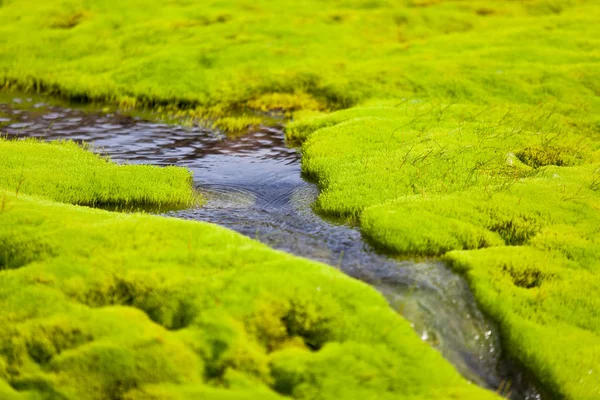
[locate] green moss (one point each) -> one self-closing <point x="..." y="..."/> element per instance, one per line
<point x="427" y="150"/>
<point x="236" y="125"/>
<point x="426" y="179"/>
<point x="546" y="305"/>
<point x="309" y="54"/>
<point x="238" y="387"/>
<point x="428" y="227"/>
<point x="332" y="371"/>
<point x="486" y="143"/>
<point x="8" y="393"/>
<point x="286" y="102"/>
<point x="541" y="156"/>
<point x="66" y="172"/>
<point x="128" y="302"/>
<point x="99" y="305"/>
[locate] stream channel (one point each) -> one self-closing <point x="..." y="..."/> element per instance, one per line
<point x="253" y="184"/>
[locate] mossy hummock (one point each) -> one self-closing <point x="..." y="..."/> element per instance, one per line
<point x="67" y="172"/>
<point x="474" y="137"/>
<point x="289" y="55"/>
<point x="98" y="305"/>
<point x="463" y="182"/>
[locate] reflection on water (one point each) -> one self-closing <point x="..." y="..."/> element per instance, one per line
<point x="253" y="185"/>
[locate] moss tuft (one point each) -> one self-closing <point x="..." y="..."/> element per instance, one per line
<point x="236" y="125"/>
<point x="541" y="156"/>
<point x="64" y="171"/>
<point x="131" y="306"/>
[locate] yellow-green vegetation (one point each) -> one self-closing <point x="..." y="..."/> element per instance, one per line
<point x="102" y="305"/>
<point x="300" y="54"/>
<point x="237" y="124"/>
<point x="67" y="172"/>
<point x="510" y="196"/>
<point x="484" y="148"/>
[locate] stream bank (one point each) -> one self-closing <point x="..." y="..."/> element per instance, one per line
<point x="253" y="185"/>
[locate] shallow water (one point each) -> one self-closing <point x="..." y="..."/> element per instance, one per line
<point x="254" y="186"/>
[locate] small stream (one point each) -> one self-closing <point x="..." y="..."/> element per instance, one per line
<point x="253" y="184"/>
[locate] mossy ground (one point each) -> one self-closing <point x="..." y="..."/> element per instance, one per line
<point x="300" y="55"/>
<point x="509" y="196"/>
<point x="99" y="305"/>
<point x="484" y="149"/>
<point x="68" y="173"/>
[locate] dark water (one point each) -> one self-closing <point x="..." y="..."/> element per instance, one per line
<point x="254" y="186"/>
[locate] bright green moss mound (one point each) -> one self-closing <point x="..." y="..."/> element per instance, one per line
<point x="488" y="147"/>
<point x="67" y="172"/>
<point x="105" y="305"/>
<point x="520" y="183"/>
<point x="366" y="156"/>
<point x="300" y="54"/>
<point x="546" y="303"/>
